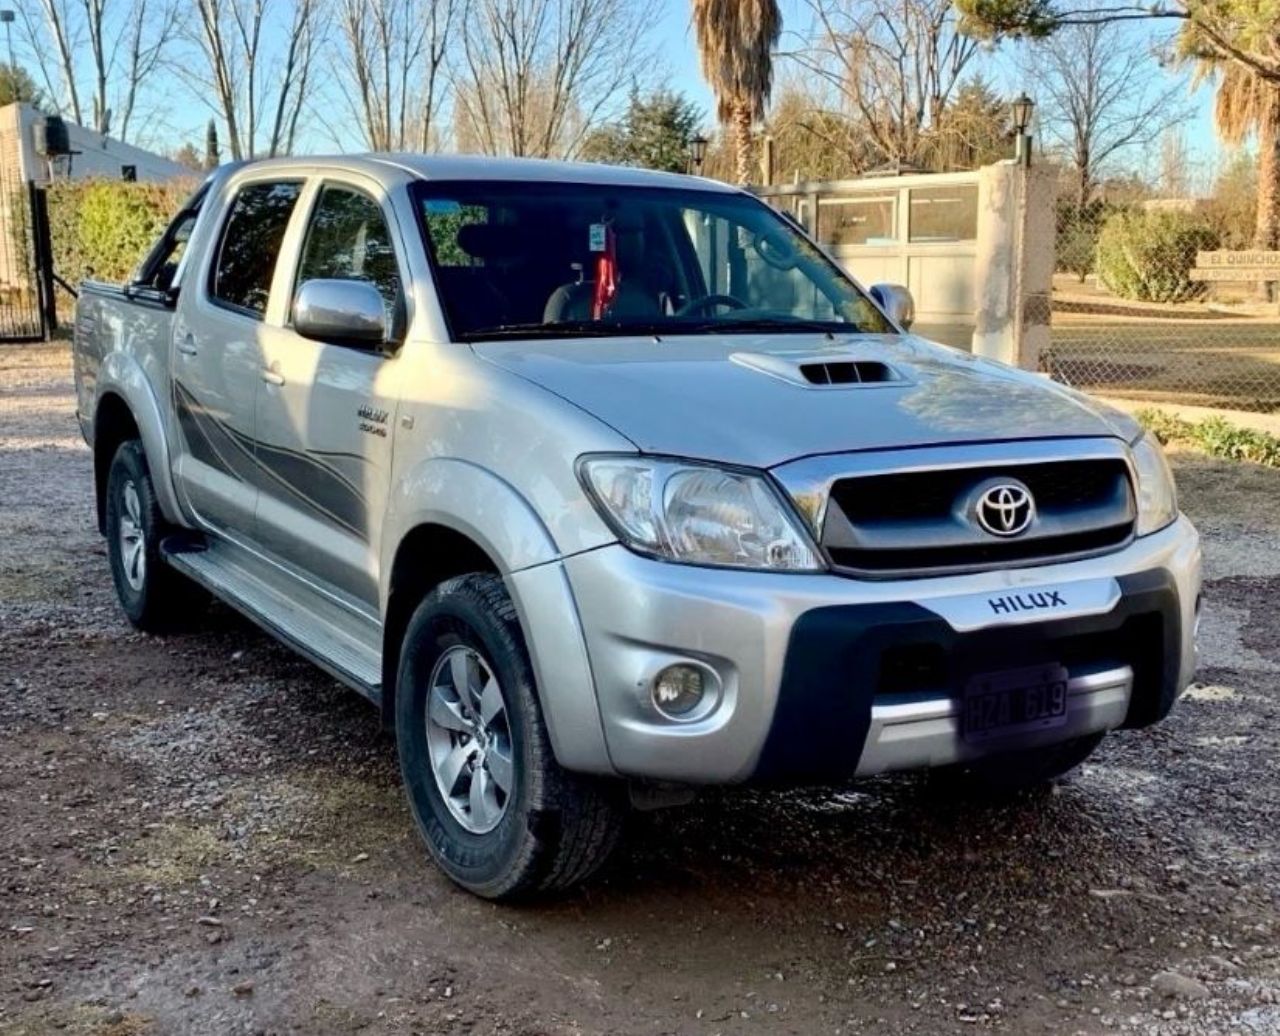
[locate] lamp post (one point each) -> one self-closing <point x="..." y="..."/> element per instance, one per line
<point x="1021" y="111"/>
<point x="697" y="154"/>
<point x="6" y="18"/>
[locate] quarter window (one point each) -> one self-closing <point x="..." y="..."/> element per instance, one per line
<point x="348" y="240"/>
<point x="251" y="244"/>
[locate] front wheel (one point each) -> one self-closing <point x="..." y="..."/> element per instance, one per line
<point x="496" y="810"/>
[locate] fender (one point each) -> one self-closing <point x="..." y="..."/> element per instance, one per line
<point x="122" y="374"/>
<point x="445" y="491"/>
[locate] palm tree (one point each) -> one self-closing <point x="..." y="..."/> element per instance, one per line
<point x="1246" y="105"/>
<point x="736" y="40"/>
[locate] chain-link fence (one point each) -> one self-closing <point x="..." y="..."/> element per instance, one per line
<point x="1148" y="306"/>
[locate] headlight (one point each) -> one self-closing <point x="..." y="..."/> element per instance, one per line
<point x="698" y="514"/>
<point x="1157" y="498"/>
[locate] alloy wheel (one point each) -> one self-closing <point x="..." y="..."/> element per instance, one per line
<point x="469" y="739"/>
<point x="133" y="540"/>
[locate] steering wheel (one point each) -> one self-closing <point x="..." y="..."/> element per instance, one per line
<point x="706" y="302"/>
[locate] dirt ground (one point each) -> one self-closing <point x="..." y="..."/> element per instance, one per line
<point x="204" y="834"/>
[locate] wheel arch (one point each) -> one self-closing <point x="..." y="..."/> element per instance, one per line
<point x="428" y="539"/>
<point x="127" y="408"/>
<point x="426" y="556"/>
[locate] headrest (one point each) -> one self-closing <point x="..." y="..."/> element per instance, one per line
<point x="489" y="241"/>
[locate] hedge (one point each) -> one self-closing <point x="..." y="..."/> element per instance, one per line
<point x="1149" y="255"/>
<point x="101" y="229"/>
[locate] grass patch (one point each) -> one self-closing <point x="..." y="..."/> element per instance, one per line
<point x="82" y="1020"/>
<point x="325" y="819"/>
<point x="175" y="855"/>
<point x="1215" y="436"/>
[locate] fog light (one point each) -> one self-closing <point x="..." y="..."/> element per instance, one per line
<point x="678" y="689"/>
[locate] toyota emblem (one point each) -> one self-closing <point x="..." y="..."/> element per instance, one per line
<point x="1005" y="509"/>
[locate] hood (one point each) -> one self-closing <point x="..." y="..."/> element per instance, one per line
<point x="749" y="399"/>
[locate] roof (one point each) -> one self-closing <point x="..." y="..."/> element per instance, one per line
<point x="484" y="167"/>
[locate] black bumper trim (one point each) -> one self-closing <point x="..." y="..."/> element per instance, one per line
<point x="836" y="655"/>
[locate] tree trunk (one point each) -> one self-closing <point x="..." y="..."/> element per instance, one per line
<point x="1266" y="228"/>
<point x="742" y="142"/>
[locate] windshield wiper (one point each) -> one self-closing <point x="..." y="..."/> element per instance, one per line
<point x="564" y="329"/>
<point x="731" y="326"/>
<point x="666" y="327"/>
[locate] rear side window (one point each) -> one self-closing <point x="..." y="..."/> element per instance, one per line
<point x="348" y="240"/>
<point x="251" y="244"/>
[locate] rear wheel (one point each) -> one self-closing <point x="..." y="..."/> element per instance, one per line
<point x="1011" y="772"/>
<point x="154" y="596"/>
<point x="496" y="810"/>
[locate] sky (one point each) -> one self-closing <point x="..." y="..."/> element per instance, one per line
<point x="180" y="117"/>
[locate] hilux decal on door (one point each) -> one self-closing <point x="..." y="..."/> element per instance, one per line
<point x="320" y="488"/>
<point x="210" y="441"/>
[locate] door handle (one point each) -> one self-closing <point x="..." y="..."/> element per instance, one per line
<point x="272" y="377"/>
<point x="187" y="346"/>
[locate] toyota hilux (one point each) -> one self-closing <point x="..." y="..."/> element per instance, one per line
<point x="605" y="485"/>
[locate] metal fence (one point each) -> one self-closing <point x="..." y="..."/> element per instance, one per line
<point x="26" y="275"/>
<point x="1141" y="311"/>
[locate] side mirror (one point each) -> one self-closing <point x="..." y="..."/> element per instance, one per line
<point x="341" y="311"/>
<point x="897" y="303"/>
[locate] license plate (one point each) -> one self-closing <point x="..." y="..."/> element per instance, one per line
<point x="997" y="705"/>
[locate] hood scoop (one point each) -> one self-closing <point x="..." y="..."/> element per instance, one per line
<point x="825" y="371"/>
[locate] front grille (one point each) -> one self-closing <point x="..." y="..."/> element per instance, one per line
<point x="930" y="494"/>
<point x="923" y="522"/>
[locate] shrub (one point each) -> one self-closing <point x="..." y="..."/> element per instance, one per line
<point x="1215" y="436"/>
<point x="1078" y="228"/>
<point x="101" y="229"/>
<point x="1149" y="255"/>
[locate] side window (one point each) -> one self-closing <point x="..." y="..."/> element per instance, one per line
<point x="251" y="243"/>
<point x="348" y="240"/>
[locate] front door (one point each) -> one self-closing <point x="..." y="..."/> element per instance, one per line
<point x="217" y="359"/>
<point x="325" y="411"/>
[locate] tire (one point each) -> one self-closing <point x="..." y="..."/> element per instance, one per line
<point x="1008" y="774"/>
<point x="155" y="598"/>
<point x="467" y="723"/>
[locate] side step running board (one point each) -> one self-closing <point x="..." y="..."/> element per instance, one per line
<point x="343" y="643"/>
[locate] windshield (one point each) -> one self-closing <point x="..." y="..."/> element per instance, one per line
<point x="588" y="260"/>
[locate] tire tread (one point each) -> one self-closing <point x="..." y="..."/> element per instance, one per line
<point x="577" y="819"/>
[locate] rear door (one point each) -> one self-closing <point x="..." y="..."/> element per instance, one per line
<point x="218" y="357"/>
<point x="326" y="410"/>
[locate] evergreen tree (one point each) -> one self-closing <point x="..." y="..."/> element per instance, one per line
<point x="212" y="156"/>
<point x="654" y="132"/>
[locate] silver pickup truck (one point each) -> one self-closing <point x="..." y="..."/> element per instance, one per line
<point x="606" y="484"/>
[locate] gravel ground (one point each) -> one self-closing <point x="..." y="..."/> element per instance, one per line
<point x="204" y="834"/>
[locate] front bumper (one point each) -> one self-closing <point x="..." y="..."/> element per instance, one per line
<point x="821" y="677"/>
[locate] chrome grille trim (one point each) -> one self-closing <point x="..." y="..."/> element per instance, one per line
<point x="810" y="483"/>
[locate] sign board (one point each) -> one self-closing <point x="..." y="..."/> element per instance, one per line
<point x="1236" y="266"/>
<point x="1223" y="273"/>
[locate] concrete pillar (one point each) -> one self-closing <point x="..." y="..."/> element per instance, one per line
<point x="1014" y="262"/>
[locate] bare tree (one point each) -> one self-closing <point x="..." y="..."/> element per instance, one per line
<point x="894" y="63"/>
<point x="55" y="20"/>
<point x="1100" y="97"/>
<point x="152" y="27"/>
<point x="246" y="79"/>
<point x="393" y="53"/>
<point x="117" y="47"/>
<point x="535" y="76"/>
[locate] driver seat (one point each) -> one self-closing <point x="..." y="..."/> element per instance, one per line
<point x="572" y="302"/>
